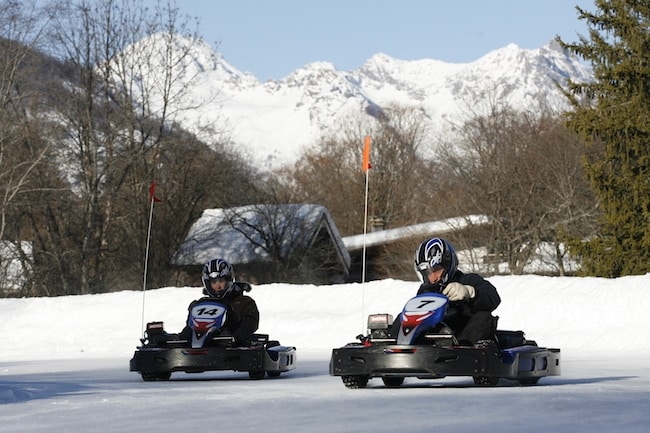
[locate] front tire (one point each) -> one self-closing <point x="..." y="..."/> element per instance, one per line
<point x="393" y="382"/>
<point x="256" y="375"/>
<point x="529" y="381"/>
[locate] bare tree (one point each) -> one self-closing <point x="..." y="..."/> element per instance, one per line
<point x="192" y="177"/>
<point x="522" y="170"/>
<point x="330" y="173"/>
<point x="125" y="69"/>
<point x="21" y="149"/>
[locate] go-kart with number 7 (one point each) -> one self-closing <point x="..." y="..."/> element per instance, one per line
<point x="425" y="348"/>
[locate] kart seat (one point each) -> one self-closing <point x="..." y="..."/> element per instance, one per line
<point x="508" y="339"/>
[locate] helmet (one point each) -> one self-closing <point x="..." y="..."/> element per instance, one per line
<point x="432" y="253"/>
<point x="218" y="269"/>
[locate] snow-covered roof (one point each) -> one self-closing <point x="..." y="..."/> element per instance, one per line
<point x="237" y="233"/>
<point x="431" y="228"/>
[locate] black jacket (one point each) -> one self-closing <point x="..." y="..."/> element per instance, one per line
<point x="486" y="297"/>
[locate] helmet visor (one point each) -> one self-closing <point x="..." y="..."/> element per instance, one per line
<point x="213" y="276"/>
<point x="425" y="269"/>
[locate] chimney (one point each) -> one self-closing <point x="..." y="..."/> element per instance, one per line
<point x="377" y="223"/>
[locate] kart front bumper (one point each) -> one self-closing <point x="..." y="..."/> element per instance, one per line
<point x="274" y="359"/>
<point x="426" y="361"/>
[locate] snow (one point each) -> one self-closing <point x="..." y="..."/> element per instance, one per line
<point x="64" y="366"/>
<point x="273" y="123"/>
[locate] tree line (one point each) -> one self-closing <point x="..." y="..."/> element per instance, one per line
<point x="81" y="141"/>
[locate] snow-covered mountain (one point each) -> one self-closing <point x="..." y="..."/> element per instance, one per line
<point x="272" y="122"/>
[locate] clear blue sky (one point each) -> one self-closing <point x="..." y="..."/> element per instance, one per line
<point x="271" y="38"/>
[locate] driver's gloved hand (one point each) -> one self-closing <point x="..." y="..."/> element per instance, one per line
<point x="458" y="292"/>
<point x="233" y="317"/>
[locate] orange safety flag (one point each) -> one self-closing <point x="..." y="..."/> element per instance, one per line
<point x="366" y="155"/>
<point x="152" y="193"/>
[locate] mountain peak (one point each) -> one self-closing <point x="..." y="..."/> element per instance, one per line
<point x="276" y="120"/>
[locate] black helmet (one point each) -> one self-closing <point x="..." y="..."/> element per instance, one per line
<point x="218" y="269"/>
<point x="432" y="253"/>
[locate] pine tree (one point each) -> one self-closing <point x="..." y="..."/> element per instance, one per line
<point x="613" y="113"/>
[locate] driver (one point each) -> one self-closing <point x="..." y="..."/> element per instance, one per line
<point x="472" y="298"/>
<point x="219" y="283"/>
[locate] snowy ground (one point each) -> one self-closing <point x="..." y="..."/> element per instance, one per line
<point x="64" y="366"/>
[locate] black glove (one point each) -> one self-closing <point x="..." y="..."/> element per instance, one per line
<point x="242" y="334"/>
<point x="233" y="317"/>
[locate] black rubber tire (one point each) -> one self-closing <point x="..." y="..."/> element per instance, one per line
<point x="256" y="375"/>
<point x="151" y="377"/>
<point x="529" y="381"/>
<point x="486" y="381"/>
<point x="273" y="373"/>
<point x="355" y="382"/>
<point x="393" y="382"/>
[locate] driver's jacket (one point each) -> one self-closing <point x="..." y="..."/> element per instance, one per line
<point x="486" y="297"/>
<point x="243" y="317"/>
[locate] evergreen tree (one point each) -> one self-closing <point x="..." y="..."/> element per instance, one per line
<point x="613" y="113"/>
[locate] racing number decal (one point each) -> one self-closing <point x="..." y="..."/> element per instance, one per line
<point x="204" y="312"/>
<point x="425" y="303"/>
<point x="208" y="311"/>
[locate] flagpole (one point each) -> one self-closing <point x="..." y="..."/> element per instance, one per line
<point x="366" y="168"/>
<point x="365" y="231"/>
<point x="152" y="199"/>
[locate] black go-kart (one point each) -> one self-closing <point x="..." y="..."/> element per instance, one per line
<point x="208" y="349"/>
<point x="425" y="348"/>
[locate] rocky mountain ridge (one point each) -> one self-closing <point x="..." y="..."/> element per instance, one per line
<point x="272" y="122"/>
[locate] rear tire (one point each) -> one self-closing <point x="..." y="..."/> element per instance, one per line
<point x="486" y="381"/>
<point x="355" y="382"/>
<point x="393" y="382"/>
<point x="151" y="377"/>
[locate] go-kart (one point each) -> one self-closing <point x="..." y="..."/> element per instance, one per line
<point x="426" y="348"/>
<point x="208" y="348"/>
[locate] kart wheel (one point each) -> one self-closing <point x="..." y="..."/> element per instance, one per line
<point x="150" y="377"/>
<point x="354" y="382"/>
<point x="256" y="374"/>
<point x="393" y="382"/>
<point x="486" y="381"/>
<point x="529" y="381"/>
